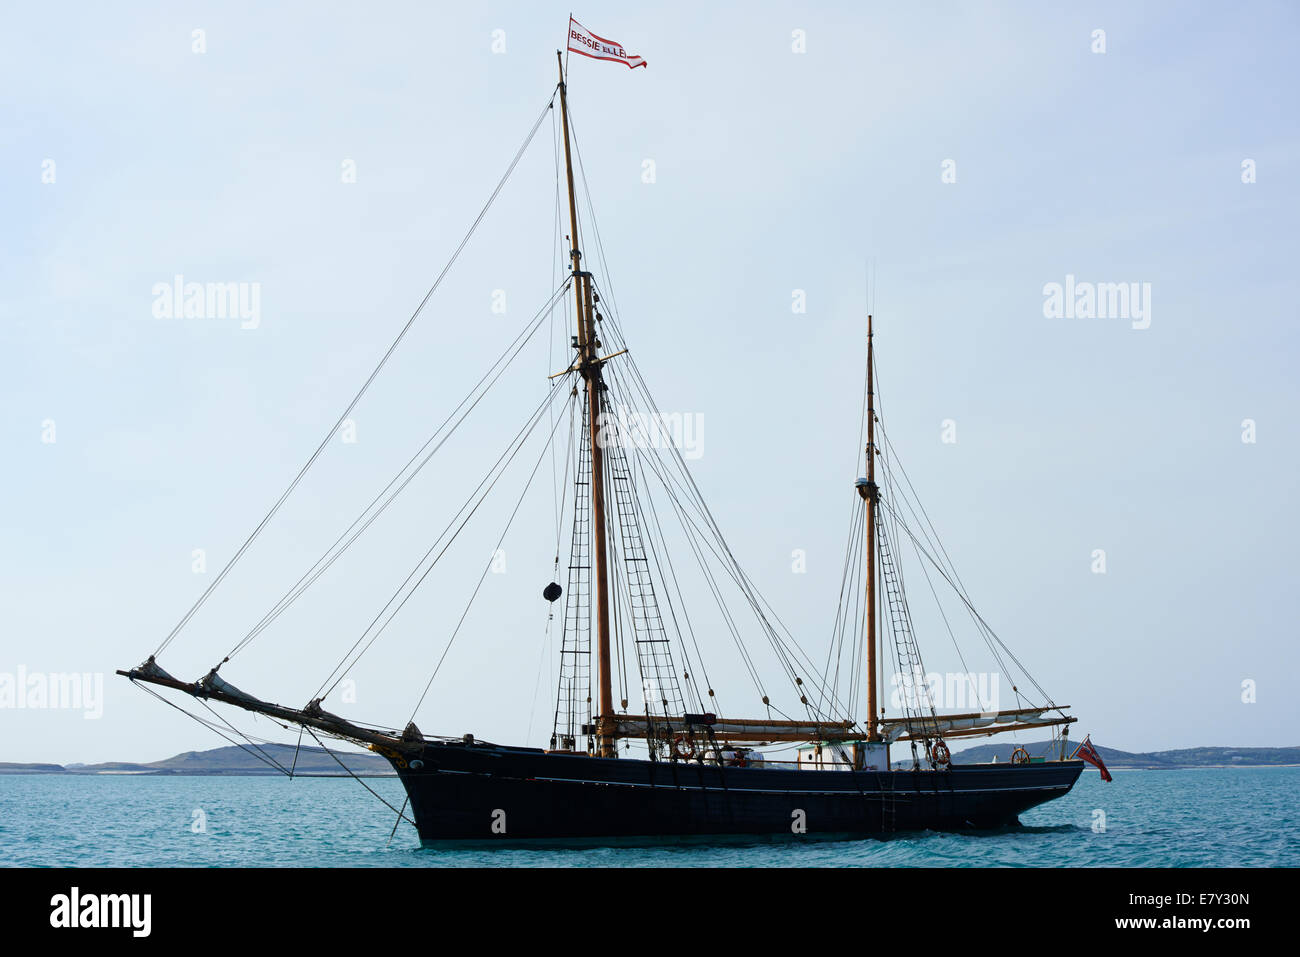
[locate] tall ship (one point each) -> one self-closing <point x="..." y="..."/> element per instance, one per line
<point x="817" y="751"/>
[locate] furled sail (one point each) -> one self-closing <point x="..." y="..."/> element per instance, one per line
<point x="738" y="729"/>
<point x="960" y="725"/>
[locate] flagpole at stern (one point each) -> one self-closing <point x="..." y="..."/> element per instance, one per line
<point x="564" y="67"/>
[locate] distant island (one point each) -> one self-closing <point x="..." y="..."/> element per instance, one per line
<point x="316" y="762"/>
<point x="232" y="760"/>
<point x="1144" y="760"/>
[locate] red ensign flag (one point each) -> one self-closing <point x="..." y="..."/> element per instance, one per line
<point x="1089" y="753"/>
<point x="582" y="40"/>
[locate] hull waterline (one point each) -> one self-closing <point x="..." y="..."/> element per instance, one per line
<point x="488" y="793"/>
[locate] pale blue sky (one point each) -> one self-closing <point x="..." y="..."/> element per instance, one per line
<point x="775" y="171"/>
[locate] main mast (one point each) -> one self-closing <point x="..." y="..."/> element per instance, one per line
<point x="589" y="365"/>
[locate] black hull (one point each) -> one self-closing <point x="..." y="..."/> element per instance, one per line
<point x="487" y="793"/>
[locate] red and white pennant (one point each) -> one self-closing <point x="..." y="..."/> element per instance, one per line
<point x="582" y="40"/>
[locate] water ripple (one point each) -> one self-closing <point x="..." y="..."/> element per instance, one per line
<point x="1212" y="817"/>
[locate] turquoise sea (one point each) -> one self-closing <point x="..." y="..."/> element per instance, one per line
<point x="1211" y="817"/>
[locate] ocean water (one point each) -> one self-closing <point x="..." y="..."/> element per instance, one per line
<point x="1211" y="817"/>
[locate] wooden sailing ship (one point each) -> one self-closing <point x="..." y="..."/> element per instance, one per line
<point x="696" y="771"/>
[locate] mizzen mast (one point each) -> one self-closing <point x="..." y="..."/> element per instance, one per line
<point x="589" y="364"/>
<point x="871" y="493"/>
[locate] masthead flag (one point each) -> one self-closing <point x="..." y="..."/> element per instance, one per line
<point x="582" y="40"/>
<point x="1089" y="754"/>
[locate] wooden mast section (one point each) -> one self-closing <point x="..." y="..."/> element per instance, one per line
<point x="589" y="364"/>
<point x="871" y="493"/>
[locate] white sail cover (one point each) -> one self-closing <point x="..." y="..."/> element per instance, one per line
<point x="895" y="728"/>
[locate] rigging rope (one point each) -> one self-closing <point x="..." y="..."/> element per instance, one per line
<point x="502" y="462"/>
<point x="948" y="571"/>
<point x="786" y="652"/>
<point x="510" y="521"/>
<point x="365" y="386"/>
<point x="400" y="814"/>
<point x="331" y="555"/>
<point x="211" y="726"/>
